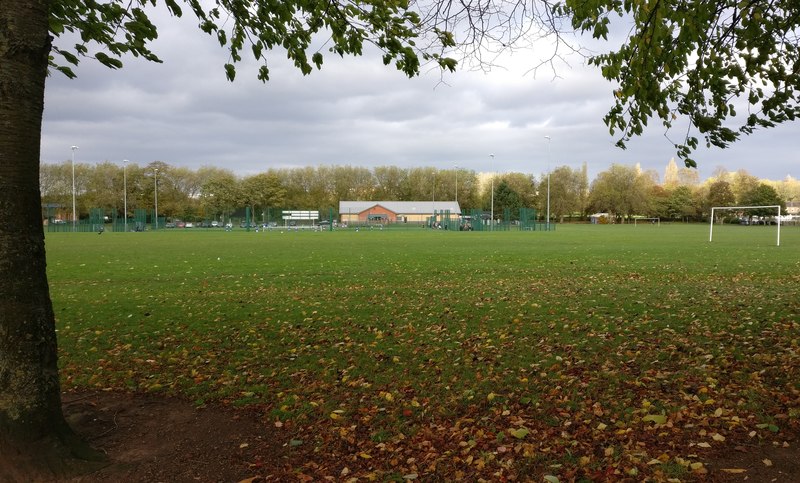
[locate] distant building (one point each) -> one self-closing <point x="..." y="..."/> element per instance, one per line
<point x="793" y="207"/>
<point x="394" y="211"/>
<point x="599" y="218"/>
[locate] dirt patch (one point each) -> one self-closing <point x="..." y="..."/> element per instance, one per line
<point x="768" y="463"/>
<point x="150" y="438"/>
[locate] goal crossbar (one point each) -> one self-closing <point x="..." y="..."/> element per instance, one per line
<point x="711" y="230"/>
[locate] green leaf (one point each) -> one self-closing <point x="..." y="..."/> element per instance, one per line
<point x="230" y="72"/>
<point x="107" y="61"/>
<point x="656" y="418"/>
<point x="519" y="433"/>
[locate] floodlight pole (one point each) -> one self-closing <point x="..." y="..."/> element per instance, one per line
<point x="491" y="222"/>
<point x="548" y="182"/>
<point x="456" y="184"/>
<point x="155" y="179"/>
<point x="125" y="193"/>
<point x="74" y="213"/>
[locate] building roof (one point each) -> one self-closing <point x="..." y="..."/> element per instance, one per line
<point x="400" y="207"/>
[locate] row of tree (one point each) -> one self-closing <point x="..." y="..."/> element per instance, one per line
<point x="213" y="193"/>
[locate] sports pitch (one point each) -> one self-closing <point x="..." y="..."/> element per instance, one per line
<point x="583" y="352"/>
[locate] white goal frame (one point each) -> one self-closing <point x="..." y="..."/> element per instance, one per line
<point x="656" y="219"/>
<point x="711" y="230"/>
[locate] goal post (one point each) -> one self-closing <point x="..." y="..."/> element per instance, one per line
<point x="778" y="218"/>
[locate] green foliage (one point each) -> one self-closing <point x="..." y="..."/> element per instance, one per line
<point x="764" y="195"/>
<point x="117" y="28"/>
<point x="505" y="197"/>
<point x="620" y="190"/>
<point x="590" y="350"/>
<point x="690" y="60"/>
<point x="680" y="204"/>
<point x="720" y="194"/>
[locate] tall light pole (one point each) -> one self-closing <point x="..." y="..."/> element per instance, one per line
<point x="433" y="190"/>
<point x="548" y="182"/>
<point x="74" y="214"/>
<point x="125" y="193"/>
<point x="456" y="184"/>
<point x="491" y="226"/>
<point x="155" y="179"/>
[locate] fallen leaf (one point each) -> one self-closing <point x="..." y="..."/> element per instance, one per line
<point x="519" y="433"/>
<point x="767" y="462"/>
<point x="656" y="418"/>
<point x="734" y="470"/>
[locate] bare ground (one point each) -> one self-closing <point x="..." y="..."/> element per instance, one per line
<point x="150" y="438"/>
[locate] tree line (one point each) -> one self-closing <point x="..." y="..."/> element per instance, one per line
<point x="214" y="193"/>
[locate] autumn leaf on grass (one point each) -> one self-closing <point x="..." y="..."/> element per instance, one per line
<point x="656" y="418"/>
<point x="519" y="433"/>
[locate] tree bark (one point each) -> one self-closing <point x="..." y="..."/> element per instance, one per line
<point x="33" y="433"/>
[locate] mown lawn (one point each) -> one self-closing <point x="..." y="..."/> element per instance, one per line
<point x="590" y="352"/>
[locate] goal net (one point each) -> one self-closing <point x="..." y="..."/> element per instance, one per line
<point x="777" y="208"/>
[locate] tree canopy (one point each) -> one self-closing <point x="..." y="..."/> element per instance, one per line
<point x="699" y="63"/>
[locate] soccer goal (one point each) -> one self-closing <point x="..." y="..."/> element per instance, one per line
<point x="777" y="218"/>
<point x="648" y="221"/>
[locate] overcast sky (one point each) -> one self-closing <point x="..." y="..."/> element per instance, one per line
<point x="356" y="111"/>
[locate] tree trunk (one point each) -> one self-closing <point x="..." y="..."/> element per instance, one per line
<point x="33" y="433"/>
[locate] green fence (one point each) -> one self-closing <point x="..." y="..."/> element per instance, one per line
<point x="269" y="219"/>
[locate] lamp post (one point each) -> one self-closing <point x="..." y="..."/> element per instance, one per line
<point x="548" y="182"/>
<point x="155" y="179"/>
<point x="491" y="226"/>
<point x="125" y="193"/>
<point x="433" y="190"/>
<point x="456" y="184"/>
<point x="74" y="213"/>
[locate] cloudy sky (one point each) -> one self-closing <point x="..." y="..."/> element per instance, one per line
<point x="356" y="111"/>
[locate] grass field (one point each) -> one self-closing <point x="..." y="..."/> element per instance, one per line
<point x="590" y="352"/>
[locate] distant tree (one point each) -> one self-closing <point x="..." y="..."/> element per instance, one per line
<point x="220" y="196"/>
<point x="658" y="201"/>
<point x="389" y="181"/>
<point x="621" y="191"/>
<point x="523" y="184"/>
<point x="743" y="183"/>
<point x="688" y="177"/>
<point x="763" y="195"/>
<point x="566" y="191"/>
<point x="680" y="204"/>
<point x="719" y="194"/>
<point x="506" y="198"/>
<point x="55" y="186"/>
<point x="264" y="191"/>
<point x="671" y="174"/>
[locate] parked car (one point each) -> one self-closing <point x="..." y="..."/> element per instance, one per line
<point x="189" y="225"/>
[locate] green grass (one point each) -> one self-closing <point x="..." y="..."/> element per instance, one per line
<point x="417" y="336"/>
